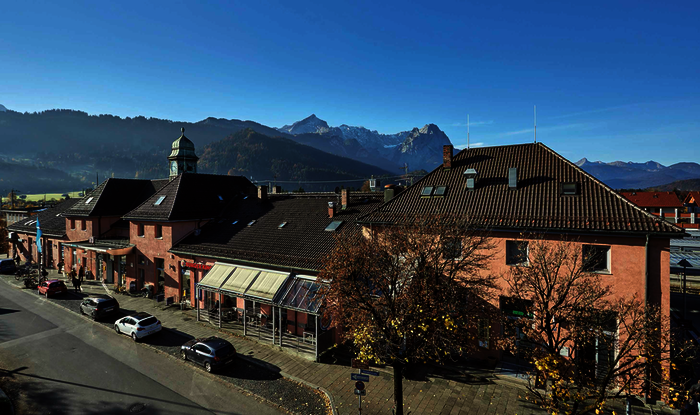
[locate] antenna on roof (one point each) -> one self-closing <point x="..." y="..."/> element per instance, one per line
<point x="535" y="124"/>
<point x="467" y="131"/>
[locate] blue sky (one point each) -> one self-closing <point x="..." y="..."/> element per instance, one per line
<point x="611" y="80"/>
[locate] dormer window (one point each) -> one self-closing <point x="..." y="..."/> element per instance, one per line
<point x="571" y="188"/>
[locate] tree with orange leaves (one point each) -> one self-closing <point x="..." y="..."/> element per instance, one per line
<point x="410" y="292"/>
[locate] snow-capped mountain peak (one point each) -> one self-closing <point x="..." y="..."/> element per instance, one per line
<point x="311" y="124"/>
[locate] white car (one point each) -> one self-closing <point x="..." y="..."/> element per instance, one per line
<point x="138" y="325"/>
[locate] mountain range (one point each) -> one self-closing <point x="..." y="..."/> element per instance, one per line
<point x="629" y="175"/>
<point x="64" y="150"/>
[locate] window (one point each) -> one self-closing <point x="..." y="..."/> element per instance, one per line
<point x="142" y="260"/>
<point x="427" y="191"/>
<point x="570" y="188"/>
<point x="139" y="231"/>
<point x="596" y="258"/>
<point x="89" y="199"/>
<point x="484" y="332"/>
<point x="334" y="226"/>
<point x="159" y="231"/>
<point x="83" y="225"/>
<point x="517" y="253"/>
<point x="440" y="191"/>
<point x="72" y="223"/>
<point x="251" y="223"/>
<point x="159" y="201"/>
<point x="452" y="248"/>
<point x="282" y="225"/>
<point x="160" y="274"/>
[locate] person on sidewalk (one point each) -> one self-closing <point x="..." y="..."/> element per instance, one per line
<point x="81" y="273"/>
<point x="74" y="280"/>
<point x="60" y="266"/>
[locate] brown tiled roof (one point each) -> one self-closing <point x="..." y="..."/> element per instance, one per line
<point x="114" y="197"/>
<point x="694" y="196"/>
<point x="536" y="205"/>
<point x="51" y="221"/>
<point x="192" y="196"/>
<point x="653" y="199"/>
<point x="301" y="244"/>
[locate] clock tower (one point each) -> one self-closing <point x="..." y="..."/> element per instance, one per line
<point x="182" y="158"/>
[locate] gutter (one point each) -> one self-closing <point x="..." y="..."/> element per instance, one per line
<point x="242" y="262"/>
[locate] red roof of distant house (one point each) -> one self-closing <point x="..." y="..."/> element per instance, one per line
<point x="654" y="199"/>
<point x="693" y="198"/>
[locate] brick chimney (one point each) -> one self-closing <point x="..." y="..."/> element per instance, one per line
<point x="262" y="192"/>
<point x="447" y="157"/>
<point x="331" y="209"/>
<point x="344" y="198"/>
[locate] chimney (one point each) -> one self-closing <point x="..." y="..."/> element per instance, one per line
<point x="389" y="192"/>
<point x="262" y="192"/>
<point x="344" y="198"/>
<point x="447" y="157"/>
<point x="331" y="209"/>
<point x="276" y="190"/>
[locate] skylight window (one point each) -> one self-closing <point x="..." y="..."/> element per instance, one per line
<point x="221" y="198"/>
<point x="570" y="188"/>
<point x="89" y="199"/>
<point x="440" y="191"/>
<point x="334" y="225"/>
<point x="427" y="191"/>
<point x="159" y="201"/>
<point x="282" y="225"/>
<point x="234" y="222"/>
<point x="252" y="222"/>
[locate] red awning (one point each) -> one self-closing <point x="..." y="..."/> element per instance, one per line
<point x="120" y="251"/>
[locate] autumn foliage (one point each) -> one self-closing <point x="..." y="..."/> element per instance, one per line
<point x="411" y="292"/>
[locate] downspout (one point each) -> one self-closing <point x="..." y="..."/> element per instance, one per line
<point x="646" y="272"/>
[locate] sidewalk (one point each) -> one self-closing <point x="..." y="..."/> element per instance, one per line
<point x="477" y="391"/>
<point x="484" y="394"/>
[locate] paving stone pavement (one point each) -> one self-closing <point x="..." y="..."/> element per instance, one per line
<point x="487" y="394"/>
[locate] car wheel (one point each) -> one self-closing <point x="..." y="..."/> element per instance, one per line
<point x="116" y="328"/>
<point x="133" y="336"/>
<point x="183" y="355"/>
<point x="47" y="294"/>
<point x="207" y="366"/>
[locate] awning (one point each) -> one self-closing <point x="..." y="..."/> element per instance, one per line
<point x="216" y="277"/>
<point x="122" y="251"/>
<point x="106" y="246"/>
<point x="240" y="280"/>
<point x="267" y="284"/>
<point x="302" y="294"/>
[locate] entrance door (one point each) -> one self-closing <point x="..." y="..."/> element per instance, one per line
<point x="98" y="267"/>
<point x="109" y="270"/>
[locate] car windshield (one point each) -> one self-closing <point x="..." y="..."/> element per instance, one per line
<point x="148" y="321"/>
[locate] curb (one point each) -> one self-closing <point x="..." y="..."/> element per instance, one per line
<point x="249" y="393"/>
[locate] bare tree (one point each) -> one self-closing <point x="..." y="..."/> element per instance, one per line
<point x="587" y="346"/>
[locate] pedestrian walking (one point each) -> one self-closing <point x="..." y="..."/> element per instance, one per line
<point x="81" y="273"/>
<point x="79" y="283"/>
<point x="74" y="280"/>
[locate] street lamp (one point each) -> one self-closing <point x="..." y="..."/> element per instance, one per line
<point x="684" y="263"/>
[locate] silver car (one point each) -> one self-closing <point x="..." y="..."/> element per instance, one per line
<point x="138" y="325"/>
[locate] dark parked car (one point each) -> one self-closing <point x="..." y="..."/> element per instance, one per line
<point x="52" y="287"/>
<point x="7" y="266"/>
<point x="211" y="352"/>
<point x="99" y="306"/>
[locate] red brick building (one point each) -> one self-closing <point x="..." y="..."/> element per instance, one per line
<point x="529" y="189"/>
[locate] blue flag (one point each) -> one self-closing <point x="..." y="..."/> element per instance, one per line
<point x="38" y="236"/>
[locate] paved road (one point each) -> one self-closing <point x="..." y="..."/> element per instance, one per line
<point x="54" y="361"/>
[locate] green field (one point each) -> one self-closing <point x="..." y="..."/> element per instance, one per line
<point x="40" y="197"/>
